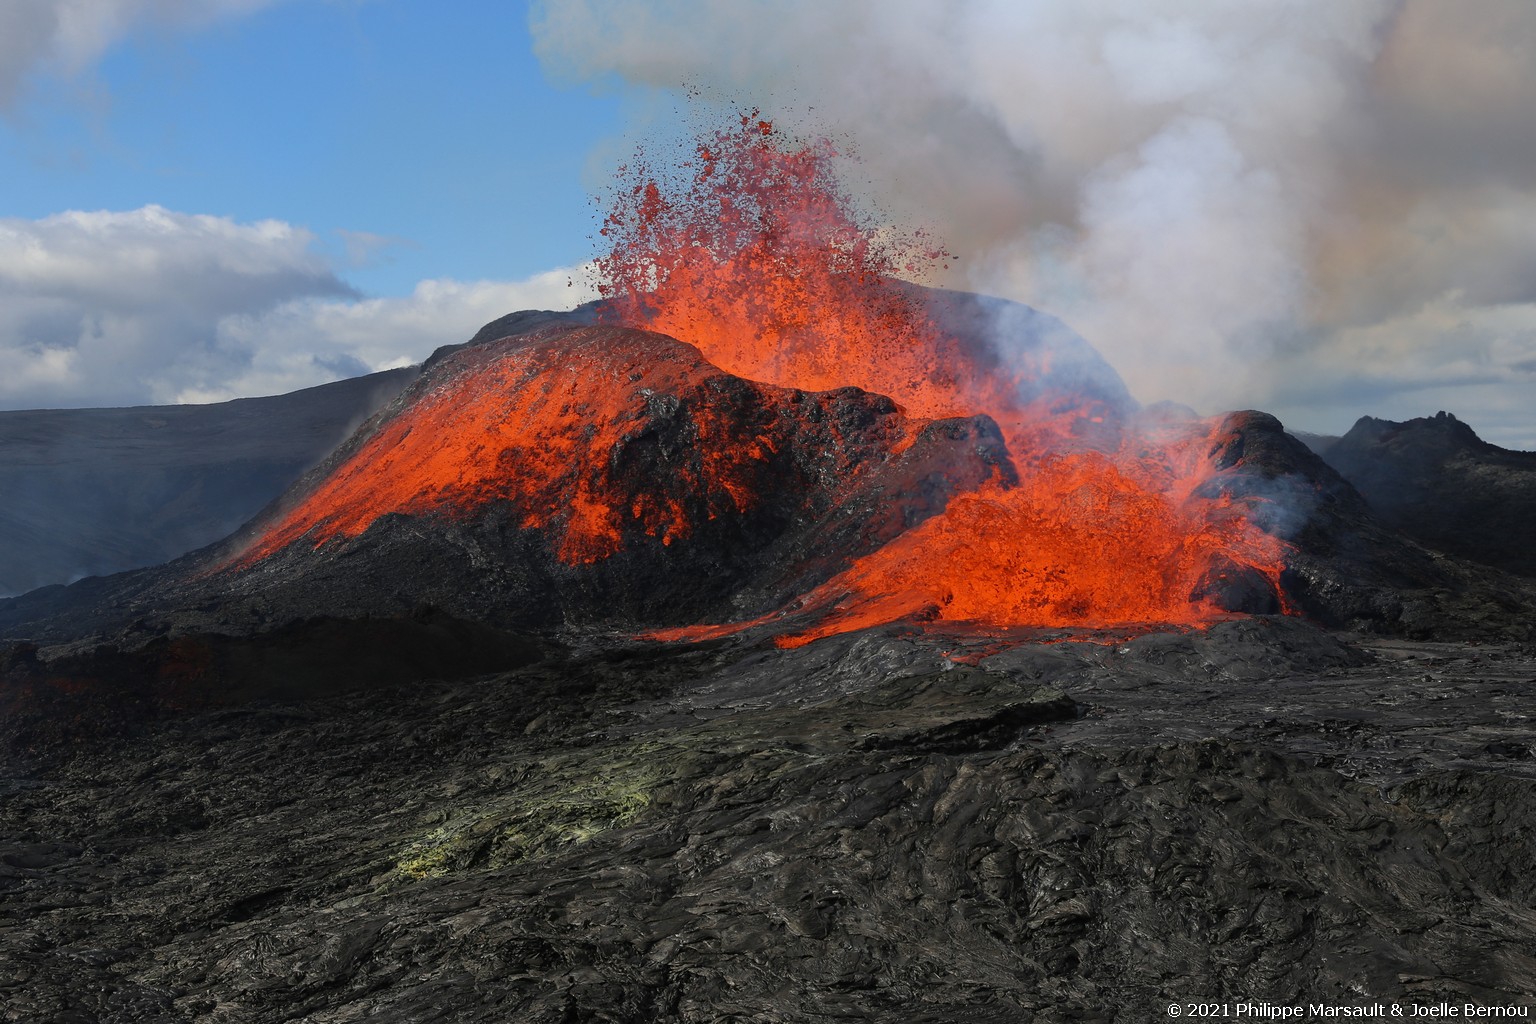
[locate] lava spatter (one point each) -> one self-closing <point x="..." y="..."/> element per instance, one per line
<point x="764" y="292"/>
<point x="1049" y="552"/>
<point x="753" y="252"/>
<point x="540" y="427"/>
<point x="597" y="438"/>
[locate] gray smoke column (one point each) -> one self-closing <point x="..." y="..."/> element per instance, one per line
<point x="1229" y="198"/>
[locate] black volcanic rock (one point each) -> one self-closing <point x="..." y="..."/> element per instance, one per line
<point x="340" y="776"/>
<point x="1347" y="568"/>
<point x="168" y="479"/>
<point x="95" y="491"/>
<point x="790" y="486"/>
<point x="108" y="689"/>
<point x="816" y="479"/>
<point x="1437" y="481"/>
<point x="829" y="477"/>
<point x="861" y="829"/>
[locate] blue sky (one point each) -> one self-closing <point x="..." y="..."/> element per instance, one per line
<point x="430" y="125"/>
<point x="217" y="198"/>
<point x="1321" y="208"/>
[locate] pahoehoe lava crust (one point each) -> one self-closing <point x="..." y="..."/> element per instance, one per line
<point x="858" y="829"/>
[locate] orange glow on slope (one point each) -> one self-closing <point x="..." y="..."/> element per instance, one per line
<point x="755" y="256"/>
<point x="752" y="253"/>
<point x="1075" y="544"/>
<point x="544" y="425"/>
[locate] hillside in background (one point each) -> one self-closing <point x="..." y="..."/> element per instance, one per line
<point x="1437" y="481"/>
<point x="94" y="491"/>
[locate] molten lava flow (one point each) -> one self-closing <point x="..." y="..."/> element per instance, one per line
<point x="543" y="426"/>
<point x="603" y="439"/>
<point x="754" y="255"/>
<point x="1075" y="544"/>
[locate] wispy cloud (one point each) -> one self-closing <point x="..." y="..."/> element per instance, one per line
<point x="151" y="306"/>
<point x="311" y="340"/>
<point x="66" y="36"/>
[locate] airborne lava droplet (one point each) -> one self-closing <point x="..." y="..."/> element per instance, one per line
<point x="751" y="252"/>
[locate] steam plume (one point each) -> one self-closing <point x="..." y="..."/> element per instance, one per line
<point x="1224" y="196"/>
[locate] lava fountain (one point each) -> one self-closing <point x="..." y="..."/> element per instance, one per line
<point x="752" y="251"/>
<point x="764" y="296"/>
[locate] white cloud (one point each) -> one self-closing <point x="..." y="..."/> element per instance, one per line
<point x="1206" y="188"/>
<point x="1475" y="360"/>
<point x="154" y="306"/>
<point x="123" y="307"/>
<point x="68" y="35"/>
<point x="310" y="341"/>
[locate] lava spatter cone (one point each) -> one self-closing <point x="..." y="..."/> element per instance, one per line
<point x="632" y="479"/>
<point x="761" y="425"/>
<point x="622" y="472"/>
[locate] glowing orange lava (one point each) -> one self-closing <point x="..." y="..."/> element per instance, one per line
<point x="755" y="255"/>
<point x="543" y="426"/>
<point x="1076" y="544"/>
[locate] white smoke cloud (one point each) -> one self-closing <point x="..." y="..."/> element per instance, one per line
<point x="311" y="340"/>
<point x="1220" y="194"/>
<point x="153" y="306"/>
<point x="1478" y="361"/>
<point x="123" y="307"/>
<point x="68" y="35"/>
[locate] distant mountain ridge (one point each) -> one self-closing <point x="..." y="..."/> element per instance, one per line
<point x="1437" y="481"/>
<point x="86" y="492"/>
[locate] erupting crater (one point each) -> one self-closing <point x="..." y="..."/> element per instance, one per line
<point x="754" y="253"/>
<point x="823" y="446"/>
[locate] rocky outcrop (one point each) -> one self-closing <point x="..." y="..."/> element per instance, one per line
<point x="1348" y="567"/>
<point x="1434" y="479"/>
